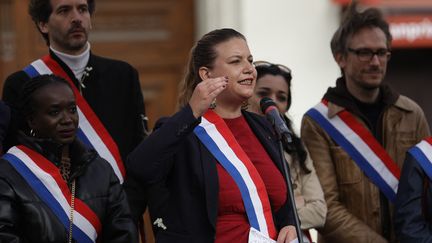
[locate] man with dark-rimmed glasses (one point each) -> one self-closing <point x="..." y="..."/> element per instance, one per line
<point x="358" y="135"/>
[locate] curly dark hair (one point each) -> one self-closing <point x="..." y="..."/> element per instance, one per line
<point x="352" y="22"/>
<point x="40" y="11"/>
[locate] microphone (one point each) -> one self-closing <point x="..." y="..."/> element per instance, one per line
<point x="269" y="108"/>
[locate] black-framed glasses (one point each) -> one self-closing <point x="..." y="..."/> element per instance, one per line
<point x="366" y="55"/>
<point x="269" y="64"/>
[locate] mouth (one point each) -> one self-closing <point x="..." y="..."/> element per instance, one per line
<point x="248" y="81"/>
<point x="77" y="31"/>
<point x="66" y="133"/>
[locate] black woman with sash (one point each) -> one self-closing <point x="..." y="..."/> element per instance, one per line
<point x="45" y="179"/>
<point x="52" y="187"/>
<point x="413" y="212"/>
<point x="91" y="130"/>
<point x="362" y="147"/>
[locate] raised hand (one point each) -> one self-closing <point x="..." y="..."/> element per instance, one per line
<point x="205" y="92"/>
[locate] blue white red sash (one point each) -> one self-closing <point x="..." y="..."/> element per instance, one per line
<point x="361" y="145"/>
<point x="91" y="131"/>
<point x="422" y="152"/>
<point x="217" y="137"/>
<point x="45" y="180"/>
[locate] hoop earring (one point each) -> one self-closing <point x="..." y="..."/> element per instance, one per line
<point x="245" y="105"/>
<point x="213" y="104"/>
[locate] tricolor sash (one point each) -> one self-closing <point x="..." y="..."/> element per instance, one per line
<point x="362" y="147"/>
<point x="422" y="152"/>
<point x="218" y="139"/>
<point x="91" y="131"/>
<point x="46" y="181"/>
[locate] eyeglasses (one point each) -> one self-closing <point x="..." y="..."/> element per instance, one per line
<point x="366" y="55"/>
<point x="269" y="64"/>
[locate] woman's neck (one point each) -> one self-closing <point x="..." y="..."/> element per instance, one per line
<point x="228" y="110"/>
<point x="65" y="151"/>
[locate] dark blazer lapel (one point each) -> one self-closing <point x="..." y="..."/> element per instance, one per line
<point x="211" y="182"/>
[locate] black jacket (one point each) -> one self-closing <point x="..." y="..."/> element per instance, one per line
<point x="25" y="218"/>
<point x="112" y="90"/>
<point x="4" y="122"/>
<point x="173" y="160"/>
<point x="413" y="211"/>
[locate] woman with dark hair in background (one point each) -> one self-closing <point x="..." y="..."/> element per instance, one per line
<point x="220" y="165"/>
<point x="52" y="188"/>
<point x="274" y="81"/>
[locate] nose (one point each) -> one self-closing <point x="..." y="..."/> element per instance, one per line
<point x="249" y="68"/>
<point x="66" y="118"/>
<point x="375" y="60"/>
<point x="76" y="15"/>
<point x="273" y="97"/>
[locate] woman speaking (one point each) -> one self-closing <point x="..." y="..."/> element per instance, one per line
<point x="217" y="165"/>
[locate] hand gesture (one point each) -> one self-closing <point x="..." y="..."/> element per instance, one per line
<point x="287" y="234"/>
<point x="205" y="92"/>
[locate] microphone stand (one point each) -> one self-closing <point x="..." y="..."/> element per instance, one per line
<point x="287" y="176"/>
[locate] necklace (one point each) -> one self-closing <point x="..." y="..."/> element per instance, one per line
<point x="72" y="211"/>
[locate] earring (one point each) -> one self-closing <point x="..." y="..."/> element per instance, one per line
<point x="213" y="104"/>
<point x="245" y="105"/>
<point x="32" y="133"/>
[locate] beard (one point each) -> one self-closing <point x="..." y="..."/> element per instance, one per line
<point x="75" y="39"/>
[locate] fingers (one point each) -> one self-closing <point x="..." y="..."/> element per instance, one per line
<point x="212" y="87"/>
<point x="205" y="92"/>
<point x="287" y="234"/>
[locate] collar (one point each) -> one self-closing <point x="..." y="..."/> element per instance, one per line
<point x="80" y="156"/>
<point x="340" y="99"/>
<point x="77" y="63"/>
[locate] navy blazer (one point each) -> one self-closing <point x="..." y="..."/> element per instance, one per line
<point x="413" y="214"/>
<point x="182" y="178"/>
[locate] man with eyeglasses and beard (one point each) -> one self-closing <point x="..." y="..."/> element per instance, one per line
<point x="108" y="92"/>
<point x="359" y="134"/>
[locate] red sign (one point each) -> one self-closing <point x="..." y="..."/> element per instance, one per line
<point x="411" y="31"/>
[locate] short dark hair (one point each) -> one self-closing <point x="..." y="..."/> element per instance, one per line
<point x="352" y="22"/>
<point x="40" y="11"/>
<point x="203" y="54"/>
<point x="26" y="102"/>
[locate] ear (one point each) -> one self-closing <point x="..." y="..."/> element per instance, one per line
<point x="31" y="122"/>
<point x="204" y="73"/>
<point x="340" y="59"/>
<point x="43" y="27"/>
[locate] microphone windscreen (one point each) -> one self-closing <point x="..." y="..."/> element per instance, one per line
<point x="266" y="103"/>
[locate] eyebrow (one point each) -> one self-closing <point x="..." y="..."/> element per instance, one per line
<point x="69" y="6"/>
<point x="268" y="89"/>
<point x="240" y="56"/>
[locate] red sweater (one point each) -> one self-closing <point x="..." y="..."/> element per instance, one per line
<point x="232" y="223"/>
